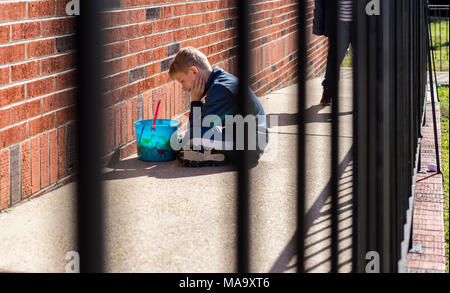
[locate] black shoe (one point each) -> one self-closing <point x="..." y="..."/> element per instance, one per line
<point x="326" y="98"/>
<point x="202" y="158"/>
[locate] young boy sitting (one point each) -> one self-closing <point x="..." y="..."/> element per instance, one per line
<point x="219" y="89"/>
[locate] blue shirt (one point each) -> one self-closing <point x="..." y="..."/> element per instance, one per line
<point x="221" y="90"/>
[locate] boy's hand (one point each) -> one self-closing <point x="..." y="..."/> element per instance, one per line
<point x="198" y="89"/>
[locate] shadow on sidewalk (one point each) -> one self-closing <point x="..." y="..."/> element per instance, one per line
<point x="312" y="116"/>
<point x="289" y="252"/>
<point x="134" y="167"/>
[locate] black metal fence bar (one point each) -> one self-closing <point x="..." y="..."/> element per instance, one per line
<point x="90" y="109"/>
<point x="301" y="69"/>
<point x="243" y="166"/>
<point x="389" y="97"/>
<point x="334" y="92"/>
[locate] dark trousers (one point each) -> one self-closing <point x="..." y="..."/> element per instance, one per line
<point x="345" y="39"/>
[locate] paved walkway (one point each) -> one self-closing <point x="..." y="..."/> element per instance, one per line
<point x="162" y="217"/>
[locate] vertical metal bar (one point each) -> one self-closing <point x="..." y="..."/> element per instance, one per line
<point x="243" y="166"/>
<point x="440" y="47"/>
<point x="301" y="69"/>
<point x="360" y="177"/>
<point x="334" y="91"/>
<point x="90" y="204"/>
<point x="355" y="45"/>
<point x="436" y="145"/>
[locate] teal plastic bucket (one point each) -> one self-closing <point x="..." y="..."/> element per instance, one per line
<point x="154" y="144"/>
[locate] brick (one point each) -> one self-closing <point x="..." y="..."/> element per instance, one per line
<point x="146" y="85"/>
<point x="40" y="87"/>
<point x="119" y="49"/>
<point x="61" y="151"/>
<point x="58" y="63"/>
<point x="12" y="95"/>
<point x="65" y="80"/>
<point x="13" y="135"/>
<point x="180" y="9"/>
<point x="26" y="169"/>
<point x="5" y="118"/>
<point x="130" y="91"/>
<point x="44" y="154"/>
<point x="129" y="104"/>
<point x="13" y="53"/>
<point x="119" y="18"/>
<point x="146" y="28"/>
<point x="173" y="49"/>
<point x="35" y="165"/>
<point x="70" y="148"/>
<point x="153" y="68"/>
<point x="137" y="74"/>
<point x="41" y="48"/>
<point x="56" y="101"/>
<point x="160" y="53"/>
<point x="25" y="71"/>
<point x="137" y="45"/>
<point x="153" y="13"/>
<point x="5" y="200"/>
<point x="130" y="32"/>
<point x="64" y="44"/>
<point x="111" y="67"/>
<point x="4" y="34"/>
<point x="4" y="75"/>
<point x="129" y="62"/>
<point x="54" y="27"/>
<point x="160" y="79"/>
<point x="159" y="25"/>
<point x="123" y="111"/>
<point x="27" y="30"/>
<point x="13" y="11"/>
<point x="41" y="8"/>
<point x="65" y="115"/>
<point x="53" y="150"/>
<point x="61" y="7"/>
<point x="41" y="124"/>
<point x="15" y="174"/>
<point x="145" y="57"/>
<point x="137" y="15"/>
<point x="26" y="110"/>
<point x="117" y="122"/>
<point x="112" y="4"/>
<point x="165" y="64"/>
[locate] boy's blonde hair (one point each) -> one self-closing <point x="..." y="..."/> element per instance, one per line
<point x="187" y="57"/>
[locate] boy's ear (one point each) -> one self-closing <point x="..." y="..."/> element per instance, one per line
<point x="194" y="69"/>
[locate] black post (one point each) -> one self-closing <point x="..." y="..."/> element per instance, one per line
<point x="334" y="92"/>
<point x="90" y="204"/>
<point x="243" y="166"/>
<point x="436" y="143"/>
<point x="301" y="69"/>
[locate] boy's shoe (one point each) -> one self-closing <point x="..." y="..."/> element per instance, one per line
<point x="201" y="158"/>
<point x="326" y="98"/>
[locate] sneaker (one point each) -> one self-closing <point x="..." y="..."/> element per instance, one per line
<point x="326" y="98"/>
<point x="201" y="158"/>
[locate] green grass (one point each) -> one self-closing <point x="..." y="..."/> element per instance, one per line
<point x="443" y="96"/>
<point x="440" y="46"/>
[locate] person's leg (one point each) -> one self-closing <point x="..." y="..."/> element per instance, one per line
<point x="342" y="46"/>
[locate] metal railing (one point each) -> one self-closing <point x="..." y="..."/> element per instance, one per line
<point x="388" y="101"/>
<point x="439" y="19"/>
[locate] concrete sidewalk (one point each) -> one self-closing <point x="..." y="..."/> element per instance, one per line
<point x="162" y="217"/>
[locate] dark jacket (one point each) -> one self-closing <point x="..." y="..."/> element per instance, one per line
<point x="321" y="17"/>
<point x="220" y="89"/>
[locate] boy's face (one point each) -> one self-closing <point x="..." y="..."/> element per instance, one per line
<point x="187" y="79"/>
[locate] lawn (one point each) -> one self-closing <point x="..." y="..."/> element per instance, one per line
<point x="439" y="34"/>
<point x="443" y="96"/>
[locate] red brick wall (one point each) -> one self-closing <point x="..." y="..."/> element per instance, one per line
<point x="37" y="67"/>
<point x="37" y="97"/>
